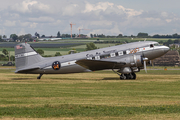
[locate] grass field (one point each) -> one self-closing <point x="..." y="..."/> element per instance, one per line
<point x="95" y="95"/>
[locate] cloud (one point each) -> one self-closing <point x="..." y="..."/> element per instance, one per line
<point x="9" y="23"/>
<point x="41" y="19"/>
<point x="46" y="17"/>
<point x="29" y="6"/>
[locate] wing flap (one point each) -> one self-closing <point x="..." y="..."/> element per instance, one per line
<point x="98" y="65"/>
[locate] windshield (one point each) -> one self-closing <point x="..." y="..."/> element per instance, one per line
<point x="157" y="44"/>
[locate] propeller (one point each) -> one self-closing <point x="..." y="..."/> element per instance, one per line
<point x="145" y="59"/>
<point x="152" y="63"/>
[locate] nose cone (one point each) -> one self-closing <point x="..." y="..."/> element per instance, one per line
<point x="166" y="49"/>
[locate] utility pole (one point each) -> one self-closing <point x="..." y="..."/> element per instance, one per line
<point x="71" y="24"/>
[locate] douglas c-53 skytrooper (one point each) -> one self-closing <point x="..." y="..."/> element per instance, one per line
<point x="126" y="59"/>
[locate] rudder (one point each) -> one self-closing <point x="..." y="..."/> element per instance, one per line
<point x="26" y="56"/>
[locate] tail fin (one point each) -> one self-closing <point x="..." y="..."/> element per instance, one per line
<point x="25" y="56"/>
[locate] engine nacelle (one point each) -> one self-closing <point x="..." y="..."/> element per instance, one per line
<point x="125" y="70"/>
<point x="136" y="61"/>
<point x="133" y="61"/>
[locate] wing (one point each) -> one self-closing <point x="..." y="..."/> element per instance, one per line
<point x="99" y="65"/>
<point x="25" y="70"/>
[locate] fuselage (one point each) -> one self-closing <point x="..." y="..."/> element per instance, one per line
<point x="119" y="53"/>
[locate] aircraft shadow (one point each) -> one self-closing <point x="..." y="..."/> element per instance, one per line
<point x="111" y="78"/>
<point x="114" y="78"/>
<point x="21" y="78"/>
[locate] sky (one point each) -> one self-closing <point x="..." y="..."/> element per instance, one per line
<point x="108" y="17"/>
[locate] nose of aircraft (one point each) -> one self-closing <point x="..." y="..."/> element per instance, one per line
<point x="166" y="49"/>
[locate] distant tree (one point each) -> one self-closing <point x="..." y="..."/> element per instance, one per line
<point x="58" y="54"/>
<point x="14" y="37"/>
<point x="5" y="52"/>
<point x="161" y="42"/>
<point x="120" y="36"/>
<point x="4" y="36"/>
<point x="37" y="35"/>
<point x="1" y="40"/>
<point x="28" y="37"/>
<point x="40" y="51"/>
<point x="21" y="38"/>
<point x="168" y="42"/>
<point x="175" y="35"/>
<point x="58" y="35"/>
<point x="90" y="46"/>
<point x="101" y="36"/>
<point x="72" y="51"/>
<point x="12" y="58"/>
<point x="177" y="41"/>
<point x="43" y="36"/>
<point x="91" y="35"/>
<point x="142" y="35"/>
<point x="3" y="57"/>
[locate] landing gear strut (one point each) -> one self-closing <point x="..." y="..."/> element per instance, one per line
<point x="39" y="77"/>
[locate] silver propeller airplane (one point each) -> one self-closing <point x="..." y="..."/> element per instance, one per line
<point x="126" y="59"/>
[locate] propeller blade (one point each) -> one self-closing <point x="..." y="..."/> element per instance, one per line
<point x="145" y="59"/>
<point x="145" y="66"/>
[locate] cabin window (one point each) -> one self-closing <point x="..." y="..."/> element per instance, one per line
<point x="127" y="51"/>
<point x="120" y="53"/>
<point x="105" y="56"/>
<point x="151" y="45"/>
<point x="113" y="54"/>
<point x="97" y="57"/>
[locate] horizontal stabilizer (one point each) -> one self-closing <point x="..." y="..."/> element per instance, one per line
<point x="26" y="70"/>
<point x="98" y="65"/>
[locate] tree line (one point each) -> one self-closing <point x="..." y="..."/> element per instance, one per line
<point x="29" y="37"/>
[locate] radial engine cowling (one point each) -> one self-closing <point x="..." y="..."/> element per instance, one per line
<point x="134" y="61"/>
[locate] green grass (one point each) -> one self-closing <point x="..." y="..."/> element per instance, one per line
<point x="70" y="110"/>
<point x="96" y="95"/>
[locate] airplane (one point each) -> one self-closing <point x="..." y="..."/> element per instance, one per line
<point x="127" y="59"/>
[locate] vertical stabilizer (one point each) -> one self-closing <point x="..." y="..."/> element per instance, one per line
<point x="26" y="56"/>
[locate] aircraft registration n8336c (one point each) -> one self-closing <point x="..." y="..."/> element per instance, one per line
<point x="126" y="59"/>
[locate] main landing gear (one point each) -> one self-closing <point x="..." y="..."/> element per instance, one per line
<point x="39" y="77"/>
<point x="128" y="76"/>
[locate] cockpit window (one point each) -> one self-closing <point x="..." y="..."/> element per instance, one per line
<point x="156" y="44"/>
<point x="151" y="45"/>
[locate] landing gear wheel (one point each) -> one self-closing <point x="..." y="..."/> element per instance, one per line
<point x="122" y="77"/>
<point x="39" y="77"/>
<point x="128" y="76"/>
<point x="134" y="76"/>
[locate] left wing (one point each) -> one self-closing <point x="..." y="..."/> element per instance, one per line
<point x="99" y="65"/>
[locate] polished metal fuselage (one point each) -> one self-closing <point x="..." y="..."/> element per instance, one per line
<point x="117" y="53"/>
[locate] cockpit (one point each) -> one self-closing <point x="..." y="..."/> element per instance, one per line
<point x="152" y="45"/>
